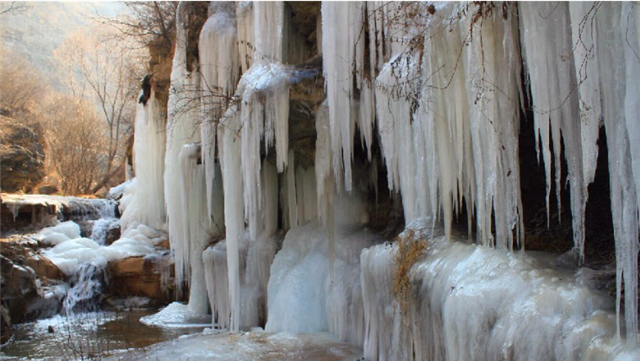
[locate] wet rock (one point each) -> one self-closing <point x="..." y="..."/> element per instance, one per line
<point x="32" y="287"/>
<point x="19" y="289"/>
<point x="48" y="303"/>
<point x="306" y="94"/>
<point x="44" y="268"/>
<point x="86" y="228"/>
<point x="26" y="217"/>
<point x="140" y="276"/>
<point x="113" y="233"/>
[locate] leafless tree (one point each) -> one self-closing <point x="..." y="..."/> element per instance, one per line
<point x="21" y="83"/>
<point x="74" y="133"/>
<point x="13" y="7"/>
<point x="103" y="71"/>
<point x="148" y="23"/>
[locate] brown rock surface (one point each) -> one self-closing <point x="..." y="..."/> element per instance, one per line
<point x="27" y="217"/>
<point x="24" y="281"/>
<point x="139" y="276"/>
<point x="18" y="288"/>
<point x="43" y="267"/>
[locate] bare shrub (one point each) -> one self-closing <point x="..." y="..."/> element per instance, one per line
<point x="411" y="249"/>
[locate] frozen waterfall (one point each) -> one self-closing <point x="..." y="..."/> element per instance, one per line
<point x="272" y="201"/>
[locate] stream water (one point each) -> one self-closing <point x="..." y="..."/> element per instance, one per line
<point x="87" y="335"/>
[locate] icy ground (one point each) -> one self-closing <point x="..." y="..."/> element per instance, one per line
<point x="254" y="345"/>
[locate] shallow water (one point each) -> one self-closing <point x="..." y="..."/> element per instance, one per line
<point x="86" y="335"/>
<point x="247" y="346"/>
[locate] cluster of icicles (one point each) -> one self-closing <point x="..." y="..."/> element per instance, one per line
<point x="445" y="94"/>
<point x="438" y="85"/>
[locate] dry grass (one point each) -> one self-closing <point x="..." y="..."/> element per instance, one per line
<point x="411" y="249"/>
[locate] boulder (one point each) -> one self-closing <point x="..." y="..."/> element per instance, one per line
<point x="142" y="277"/>
<point x="31" y="286"/>
<point x="44" y="268"/>
<point x="19" y="289"/>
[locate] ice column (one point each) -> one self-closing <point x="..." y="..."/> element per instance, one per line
<point x="233" y="206"/>
<point x="147" y="204"/>
<point x="244" y="20"/>
<point x="268" y="31"/>
<point x="182" y="128"/>
<point x="197" y="230"/>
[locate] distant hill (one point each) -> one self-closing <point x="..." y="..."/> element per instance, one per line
<point x="37" y="32"/>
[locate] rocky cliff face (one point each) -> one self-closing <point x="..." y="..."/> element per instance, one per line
<point x="21" y="155"/>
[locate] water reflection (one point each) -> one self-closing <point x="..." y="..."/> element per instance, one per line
<point x="85" y="336"/>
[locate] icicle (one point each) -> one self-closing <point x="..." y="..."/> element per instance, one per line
<point x="219" y="66"/>
<point x="254" y="261"/>
<point x="217" y="280"/>
<point x="556" y="103"/>
<point x="181" y="129"/>
<point x="268" y="31"/>
<point x="446" y="120"/>
<point x="583" y="29"/>
<point x="493" y="96"/>
<point x="343" y="54"/>
<point x="264" y="115"/>
<point x="292" y="202"/>
<point x="322" y="161"/>
<point x="630" y="27"/>
<point x="244" y="19"/>
<point x="325" y="188"/>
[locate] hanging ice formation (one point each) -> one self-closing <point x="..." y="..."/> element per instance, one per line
<point x="219" y="69"/>
<point x="448" y="100"/>
<point x="601" y="67"/>
<point x="182" y="129"/>
<point x="145" y="204"/>
<point x="262" y="115"/>
<point x="437" y="99"/>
